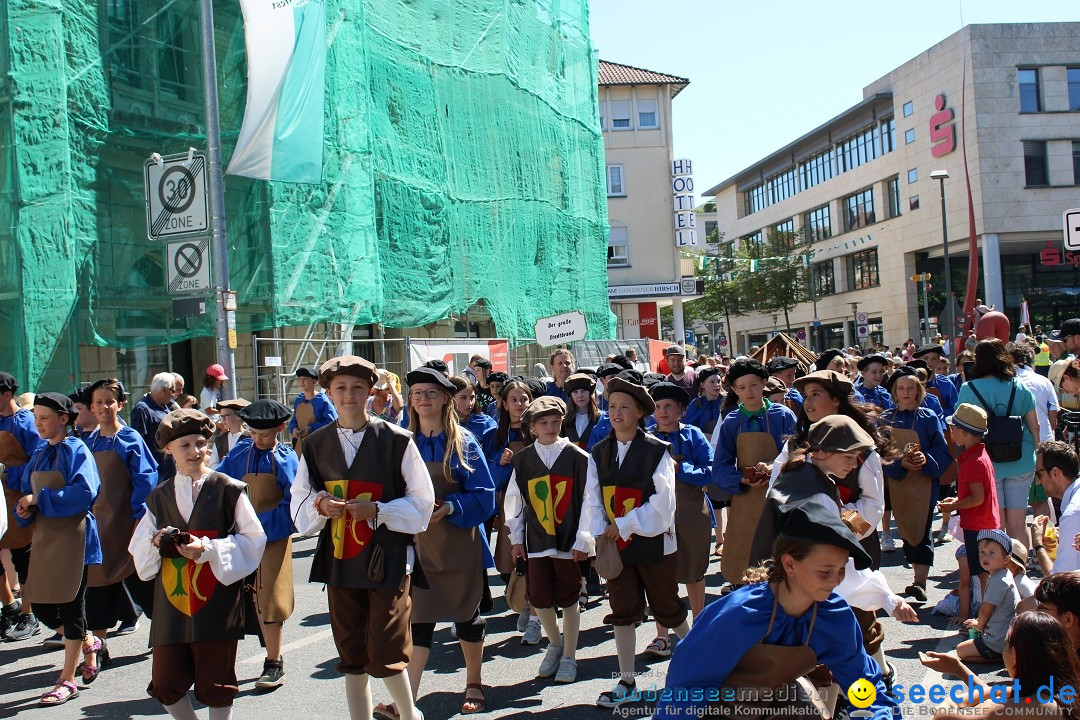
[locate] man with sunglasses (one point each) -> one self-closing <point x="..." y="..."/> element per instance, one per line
<point x="1056" y="469"/>
<point x="1059" y="595"/>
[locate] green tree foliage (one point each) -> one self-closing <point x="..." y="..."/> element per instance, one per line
<point x="771" y="276"/>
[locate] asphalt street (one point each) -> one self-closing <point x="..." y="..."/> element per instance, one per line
<point x="314" y="689"/>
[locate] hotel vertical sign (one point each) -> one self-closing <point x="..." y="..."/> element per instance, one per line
<point x="682" y="190"/>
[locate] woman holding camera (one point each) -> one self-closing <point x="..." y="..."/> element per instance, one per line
<point x="913" y="478"/>
<point x="199" y="553"/>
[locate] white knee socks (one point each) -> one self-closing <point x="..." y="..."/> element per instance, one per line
<point x="571" y="622"/>
<point x="625" y="639"/>
<point x="182" y="710"/>
<point x="358" y="696"/>
<point x="401" y="691"/>
<point x="221" y="713"/>
<point x="550" y="621"/>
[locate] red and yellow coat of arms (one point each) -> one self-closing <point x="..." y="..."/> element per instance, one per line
<point x="188" y="585"/>
<point x="618" y="501"/>
<point x="550" y="496"/>
<point x="351" y="537"/>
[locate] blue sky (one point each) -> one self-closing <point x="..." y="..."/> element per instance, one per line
<point x="764" y="73"/>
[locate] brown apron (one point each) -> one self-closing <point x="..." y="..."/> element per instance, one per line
<point x="274" y="579"/>
<point x="770" y="667"/>
<point x="910" y="495"/>
<point x="12" y="455"/>
<point x="453" y="561"/>
<point x="750" y="449"/>
<point x="503" y="562"/>
<point x="113" y="512"/>
<point x="56" y="564"/>
<point x="693" y="531"/>
<point x="305" y="416"/>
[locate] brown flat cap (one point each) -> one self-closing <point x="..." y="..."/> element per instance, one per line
<point x="839" y="433"/>
<point x="774" y="385"/>
<point x="638" y="392"/>
<point x="544" y="405"/>
<point x="579" y="381"/>
<point x="179" y="423"/>
<point x="831" y="380"/>
<point x="347" y="365"/>
<point x="238" y="404"/>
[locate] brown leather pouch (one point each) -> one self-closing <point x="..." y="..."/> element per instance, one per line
<point x="856" y="522"/>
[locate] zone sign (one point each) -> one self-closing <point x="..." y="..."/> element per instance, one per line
<point x="176" y="196"/>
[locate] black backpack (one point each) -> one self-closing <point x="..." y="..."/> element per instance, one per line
<point x="1004" y="433"/>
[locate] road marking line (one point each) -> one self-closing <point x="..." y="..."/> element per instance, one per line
<point x="309" y="640"/>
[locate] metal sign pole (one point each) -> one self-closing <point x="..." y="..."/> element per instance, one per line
<point x="226" y="318"/>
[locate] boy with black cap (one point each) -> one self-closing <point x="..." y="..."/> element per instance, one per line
<point x="194" y="519"/>
<point x="786" y="368"/>
<point x="59" y="488"/>
<point x="230" y="431"/>
<point x="18" y="441"/>
<point x="268" y="467"/>
<point x="367" y="478"/>
<point x="603" y="372"/>
<point x="745" y="445"/>
<point x="311" y="408"/>
<point x="542" y="508"/>
<point x="868" y="389"/>
<point x="703" y="412"/>
<point x="496" y="380"/>
<point x="936" y="385"/>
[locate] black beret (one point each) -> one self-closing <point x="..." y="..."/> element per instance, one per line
<point x="430" y="376"/>
<point x="781" y="363"/>
<point x="623" y="362"/>
<point x="497" y="377"/>
<point x="121" y="392"/>
<point x="437" y="365"/>
<point x="347" y="365"/>
<point x="707" y="372"/>
<point x="746" y="366"/>
<point x="484" y="363"/>
<point x="8" y="383"/>
<point x="920" y="363"/>
<point x="608" y="369"/>
<point x="827" y="357"/>
<point x="902" y="371"/>
<point x="928" y="349"/>
<point x="811" y="521"/>
<point x="265" y="414"/>
<point x="870" y="359"/>
<point x="579" y="381"/>
<point x="306" y="372"/>
<point x="631" y="376"/>
<point x="669" y="391"/>
<point x="650" y="378"/>
<point x="55" y="401"/>
<point x="80" y="396"/>
<point x="537" y="387"/>
<point x="180" y="423"/>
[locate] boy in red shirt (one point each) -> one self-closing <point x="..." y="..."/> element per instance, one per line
<point x="976" y="492"/>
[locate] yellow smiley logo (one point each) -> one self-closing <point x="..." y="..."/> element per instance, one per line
<point x="862" y="693"/>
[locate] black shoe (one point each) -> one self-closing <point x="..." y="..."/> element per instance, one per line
<point x="273" y="675"/>
<point x="889" y="676"/>
<point x="26" y="626"/>
<point x="9" y="616"/>
<point x="915" y="592"/>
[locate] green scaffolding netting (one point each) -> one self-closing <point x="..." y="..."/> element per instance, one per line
<point x="463" y="162"/>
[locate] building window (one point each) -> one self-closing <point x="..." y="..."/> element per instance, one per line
<point x="1076" y="163"/>
<point x="752" y="243"/>
<point x="888" y="135"/>
<point x="860" y="148"/>
<point x="785" y="231"/>
<point x="817" y="169"/>
<point x="913" y="202"/>
<point x="647" y="114"/>
<point x="125" y="58"/>
<point x="602" y="105"/>
<point x="912" y="175"/>
<point x="177" y="63"/>
<point x="909" y="136"/>
<point x="755" y="199"/>
<point x="615" y="186"/>
<point x="618" y="247"/>
<point x="863" y="270"/>
<point x="781" y="186"/>
<point x="892" y="189"/>
<point x="711" y="228"/>
<point x="1030" y="98"/>
<point x="824" y="281"/>
<point x="859" y="210"/>
<point x="817" y="224"/>
<point x="1074" y="88"/>
<point x="620" y="115"/>
<point x="909" y="107"/>
<point x="1035" y="171"/>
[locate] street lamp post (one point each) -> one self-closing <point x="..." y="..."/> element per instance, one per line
<point x="950" y="320"/>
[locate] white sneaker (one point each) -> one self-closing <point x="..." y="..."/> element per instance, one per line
<point x="523" y="618"/>
<point x="567" y="671"/>
<point x="532" y="633"/>
<point x="887" y="543"/>
<point x="550" y="662"/>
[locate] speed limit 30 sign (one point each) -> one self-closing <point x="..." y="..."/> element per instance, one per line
<point x="175" y="188"/>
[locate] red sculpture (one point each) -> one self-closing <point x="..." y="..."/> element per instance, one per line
<point x="990" y="323"/>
